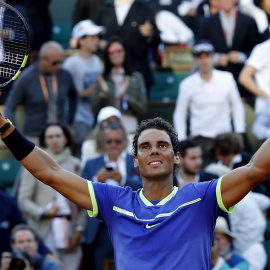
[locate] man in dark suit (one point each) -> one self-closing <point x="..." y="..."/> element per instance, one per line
<point x="134" y="22"/>
<point x="115" y="167"/>
<point x="190" y="165"/>
<point x="233" y="35"/>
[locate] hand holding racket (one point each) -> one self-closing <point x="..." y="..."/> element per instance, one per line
<point x="14" y="44"/>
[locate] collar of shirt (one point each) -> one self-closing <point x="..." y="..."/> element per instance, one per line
<point x="122" y="8"/>
<point x="182" y="182"/>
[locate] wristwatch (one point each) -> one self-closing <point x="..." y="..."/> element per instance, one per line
<point x="5" y="127"/>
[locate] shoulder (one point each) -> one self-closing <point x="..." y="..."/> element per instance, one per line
<point x="206" y="176"/>
<point x="189" y="80"/>
<point x="95" y="160"/>
<point x="223" y="74"/>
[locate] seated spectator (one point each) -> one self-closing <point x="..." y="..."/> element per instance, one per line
<point x="24" y="238"/>
<point x="10" y="216"/>
<point x="94" y="145"/>
<point x="45" y="90"/>
<point x="261" y="125"/>
<point x="59" y="222"/>
<point x="217" y="262"/>
<point x="224" y="237"/>
<point x="228" y="150"/>
<point x="120" y="86"/>
<point x="190" y="165"/>
<point x="115" y="167"/>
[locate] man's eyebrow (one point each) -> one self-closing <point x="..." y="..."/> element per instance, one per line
<point x="159" y="142"/>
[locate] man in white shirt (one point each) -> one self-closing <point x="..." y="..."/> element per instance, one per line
<point x="212" y="99"/>
<point x="255" y="75"/>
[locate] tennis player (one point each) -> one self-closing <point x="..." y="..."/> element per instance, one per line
<point x="159" y="226"/>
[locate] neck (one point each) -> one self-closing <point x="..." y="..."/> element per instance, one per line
<point x="157" y="189"/>
<point x="186" y="176"/>
<point x="206" y="76"/>
<point x="85" y="54"/>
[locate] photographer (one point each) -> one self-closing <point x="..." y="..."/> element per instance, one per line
<point x="17" y="260"/>
<point x="114" y="167"/>
<point x="24" y="244"/>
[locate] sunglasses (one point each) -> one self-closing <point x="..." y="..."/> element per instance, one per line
<point x="114" y="141"/>
<point x="55" y="62"/>
<point x="116" y="50"/>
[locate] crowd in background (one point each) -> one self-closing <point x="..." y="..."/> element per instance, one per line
<point x="84" y="108"/>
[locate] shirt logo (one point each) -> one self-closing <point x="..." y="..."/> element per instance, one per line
<point x="151" y="226"/>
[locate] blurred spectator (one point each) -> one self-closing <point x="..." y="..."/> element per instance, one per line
<point x="45" y="90"/>
<point x="248" y="224"/>
<point x="233" y="35"/>
<point x="85" y="9"/>
<point x="255" y="10"/>
<point x="190" y="165"/>
<point x="265" y="6"/>
<point x="261" y="125"/>
<point x="84" y="67"/>
<point x="228" y="150"/>
<point x="134" y="22"/>
<point x="59" y="222"/>
<point x="204" y="10"/>
<point x="40" y="21"/>
<point x="24" y="238"/>
<point x="94" y="145"/>
<point x="212" y="98"/>
<point x="172" y="29"/>
<point x="255" y="74"/>
<point x="114" y="167"/>
<point x="10" y="216"/>
<point x="225" y="249"/>
<point x="217" y="262"/>
<point x="120" y="86"/>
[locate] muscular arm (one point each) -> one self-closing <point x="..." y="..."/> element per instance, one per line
<point x="247" y="80"/>
<point x="236" y="184"/>
<point x="44" y="168"/>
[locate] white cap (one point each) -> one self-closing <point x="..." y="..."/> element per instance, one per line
<point x="86" y="28"/>
<point x="222" y="227"/>
<point x="108" y="112"/>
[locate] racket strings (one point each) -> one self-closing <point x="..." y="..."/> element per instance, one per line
<point x="13" y="43"/>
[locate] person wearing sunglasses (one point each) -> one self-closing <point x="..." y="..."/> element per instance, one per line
<point x="46" y="92"/>
<point x="120" y="86"/>
<point x="114" y="167"/>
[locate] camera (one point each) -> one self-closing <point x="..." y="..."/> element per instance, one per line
<point x="109" y="168"/>
<point x="19" y="260"/>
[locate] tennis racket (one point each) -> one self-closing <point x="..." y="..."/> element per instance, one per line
<point x="14" y="44"/>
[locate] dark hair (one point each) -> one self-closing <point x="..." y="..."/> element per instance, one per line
<point x="160" y="124"/>
<point x="186" y="144"/>
<point x="155" y="123"/>
<point x="258" y="3"/>
<point x="227" y="143"/>
<point x="22" y="227"/>
<point x="64" y="129"/>
<point x="107" y="63"/>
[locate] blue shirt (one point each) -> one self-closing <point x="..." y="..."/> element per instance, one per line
<point x="176" y="233"/>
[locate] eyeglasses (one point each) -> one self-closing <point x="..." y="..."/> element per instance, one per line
<point x="115" y="50"/>
<point x="114" y="141"/>
<point x="54" y="62"/>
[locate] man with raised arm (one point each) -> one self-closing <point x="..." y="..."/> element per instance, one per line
<point x="159" y="226"/>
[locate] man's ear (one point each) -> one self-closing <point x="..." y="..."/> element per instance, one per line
<point x="177" y="158"/>
<point x="135" y="160"/>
